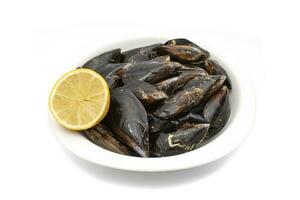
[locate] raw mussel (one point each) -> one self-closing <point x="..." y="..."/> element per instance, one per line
<point x="127" y="118"/>
<point x="103" y="137"/>
<point x="166" y="99"/>
<point x="113" y="73"/>
<point x="175" y="83"/>
<point x="182" y="53"/>
<point x="181" y="141"/>
<point x="217" y="110"/>
<point x="113" y="56"/>
<point x="150" y="71"/>
<point x="146" y="93"/>
<point x="214" y="68"/>
<point x="140" y="54"/>
<point x="183" y="41"/>
<point x="194" y="93"/>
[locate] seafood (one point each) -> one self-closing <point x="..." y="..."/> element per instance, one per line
<point x="214" y="68"/>
<point x="182" y="53"/>
<point x="166" y="99"/>
<point x="198" y="71"/>
<point x="113" y="56"/>
<point x="209" y="84"/>
<point x="192" y="96"/>
<point x="164" y="59"/>
<point x="146" y="92"/>
<point x="140" y="54"/>
<point x="150" y="71"/>
<point x="180" y="102"/>
<point x="217" y="109"/>
<point x="178" y="142"/>
<point x="172" y="84"/>
<point x="160" y="125"/>
<point x="127" y="118"/>
<point x="183" y="41"/>
<point x="101" y="136"/>
<point x="191" y="118"/>
<point x="113" y="73"/>
<point x="113" y="68"/>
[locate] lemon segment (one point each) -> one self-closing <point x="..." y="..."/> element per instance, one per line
<point x="79" y="99"/>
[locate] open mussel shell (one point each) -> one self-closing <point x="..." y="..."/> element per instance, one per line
<point x="183" y="41"/>
<point x="181" y="141"/>
<point x="146" y="93"/>
<point x="103" y="137"/>
<point x="127" y="118"/>
<point x="113" y="56"/>
<point x="150" y="71"/>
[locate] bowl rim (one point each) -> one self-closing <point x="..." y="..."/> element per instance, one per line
<point x="235" y="131"/>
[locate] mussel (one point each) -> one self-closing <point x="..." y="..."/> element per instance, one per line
<point x="183" y="41"/>
<point x="161" y="125"/>
<point x="146" y="93"/>
<point x="127" y="118"/>
<point x="190" y="118"/>
<point x="195" y="92"/>
<point x="113" y="73"/>
<point x="214" y="68"/>
<point x="175" y="83"/>
<point x="180" y="102"/>
<point x="217" y="109"/>
<point x="113" y="56"/>
<point x="209" y="84"/>
<point x="182" y="53"/>
<point x="181" y="141"/>
<point x="103" y="137"/>
<point x="140" y="54"/>
<point x="150" y="71"/>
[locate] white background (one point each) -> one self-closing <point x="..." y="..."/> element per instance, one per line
<point x="34" y="165"/>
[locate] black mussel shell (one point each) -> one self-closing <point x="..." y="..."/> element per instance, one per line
<point x="103" y="137"/>
<point x="140" y="54"/>
<point x="181" y="141"/>
<point x="182" y="53"/>
<point x="150" y="71"/>
<point x="113" y="56"/>
<point x="146" y="93"/>
<point x="214" y="68"/>
<point x="127" y="118"/>
<point x="183" y="41"/>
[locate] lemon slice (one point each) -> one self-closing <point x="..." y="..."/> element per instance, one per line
<point x="79" y="99"/>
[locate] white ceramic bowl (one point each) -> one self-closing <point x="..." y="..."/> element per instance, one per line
<point x="240" y="122"/>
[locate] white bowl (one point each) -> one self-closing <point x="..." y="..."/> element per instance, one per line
<point x="240" y="122"/>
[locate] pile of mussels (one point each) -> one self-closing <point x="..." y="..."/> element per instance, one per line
<point x="166" y="99"/>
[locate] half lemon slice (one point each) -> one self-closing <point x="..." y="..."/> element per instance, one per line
<point x="79" y="99"/>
